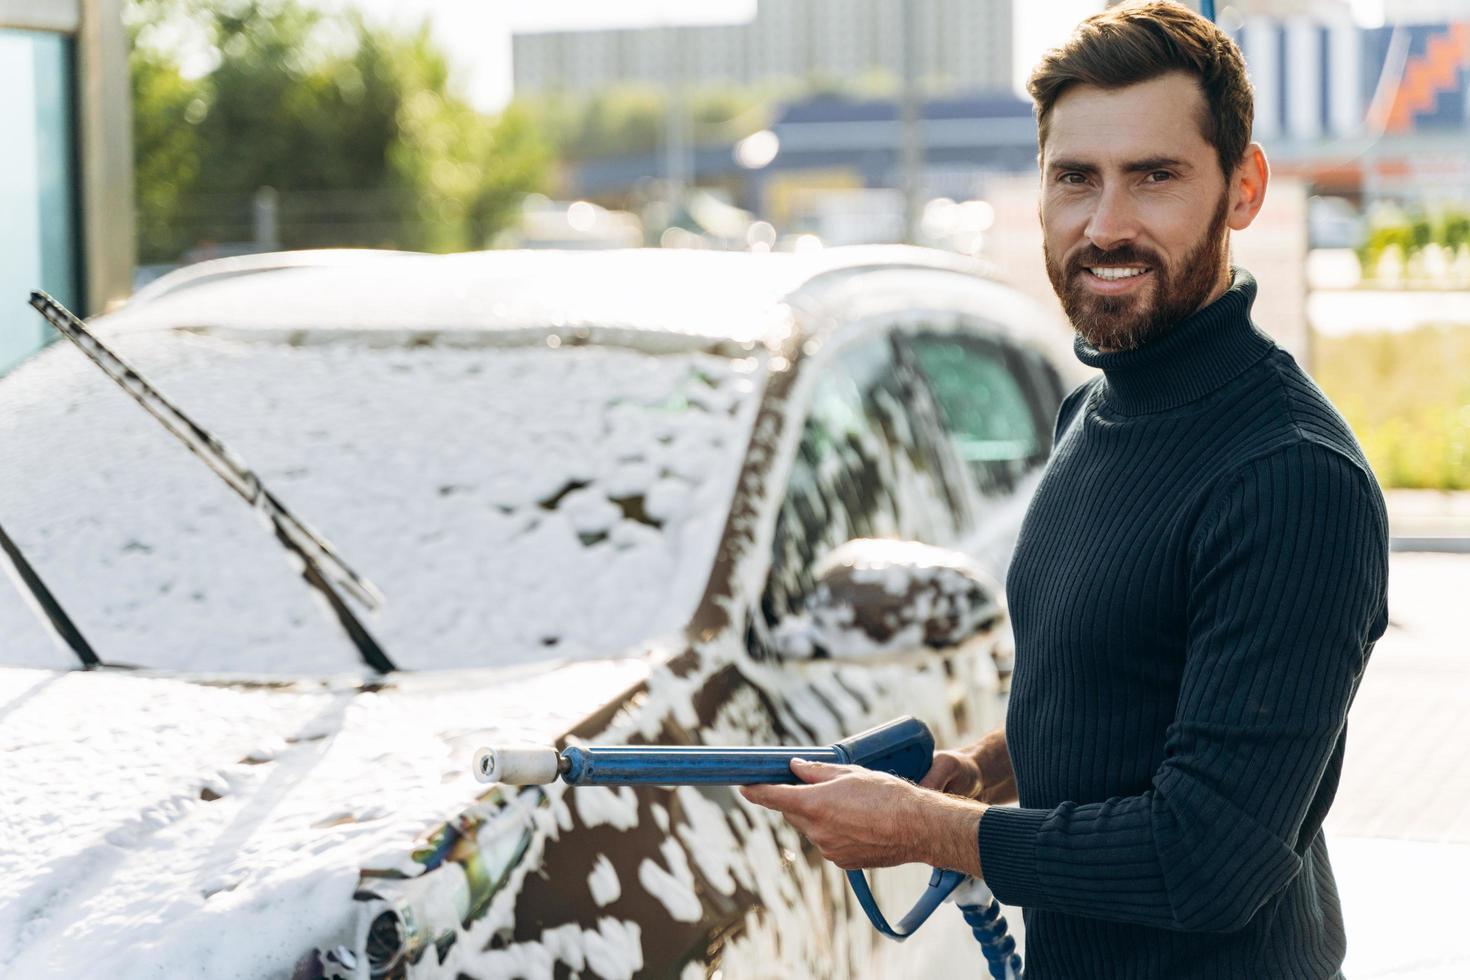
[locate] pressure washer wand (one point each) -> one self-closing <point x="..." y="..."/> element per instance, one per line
<point x="903" y="747"/>
<point x="647" y="765"/>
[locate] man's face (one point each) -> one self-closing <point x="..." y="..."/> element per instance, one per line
<point x="1133" y="209"/>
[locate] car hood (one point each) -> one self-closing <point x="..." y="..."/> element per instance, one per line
<point x="159" y="825"/>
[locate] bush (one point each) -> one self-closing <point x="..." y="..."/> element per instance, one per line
<point x="1408" y="237"/>
<point x="1407" y="397"/>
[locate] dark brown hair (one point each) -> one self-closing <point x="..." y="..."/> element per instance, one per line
<point x="1137" y="42"/>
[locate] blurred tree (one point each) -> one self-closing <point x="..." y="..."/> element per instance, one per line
<point x="629" y="119"/>
<point x="1456" y="230"/>
<point x="1420" y="232"/>
<point x="165" y="149"/>
<point x="1411" y="234"/>
<point x="359" y="130"/>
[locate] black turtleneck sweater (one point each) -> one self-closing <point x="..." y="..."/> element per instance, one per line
<point x="1195" y="591"/>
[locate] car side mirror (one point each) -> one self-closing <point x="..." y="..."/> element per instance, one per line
<point x="877" y="599"/>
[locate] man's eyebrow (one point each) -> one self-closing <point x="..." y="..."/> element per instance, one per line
<point x="1072" y="165"/>
<point x="1144" y="165"/>
<point x="1150" y="164"/>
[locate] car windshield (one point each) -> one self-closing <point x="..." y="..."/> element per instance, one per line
<point x="514" y="503"/>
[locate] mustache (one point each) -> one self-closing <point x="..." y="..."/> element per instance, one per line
<point x="1091" y="256"/>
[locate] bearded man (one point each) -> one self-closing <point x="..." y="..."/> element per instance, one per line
<point x="1197" y="584"/>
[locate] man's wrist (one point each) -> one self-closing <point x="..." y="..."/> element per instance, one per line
<point x="951" y="832"/>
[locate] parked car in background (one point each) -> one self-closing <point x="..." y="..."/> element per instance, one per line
<point x="619" y="497"/>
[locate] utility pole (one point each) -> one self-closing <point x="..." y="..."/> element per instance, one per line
<point x="265" y="211"/>
<point x="677" y="155"/>
<point x="911" y="148"/>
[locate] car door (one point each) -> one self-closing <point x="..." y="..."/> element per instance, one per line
<point x="873" y="460"/>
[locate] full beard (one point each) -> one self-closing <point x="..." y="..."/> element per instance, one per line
<point x="1129" y="322"/>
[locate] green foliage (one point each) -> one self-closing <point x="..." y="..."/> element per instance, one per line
<point x="1407" y="398"/>
<point x="166" y="149"/>
<point x="629" y="119"/>
<point x="1413" y="233"/>
<point x="361" y="131"/>
<point x="1456" y="230"/>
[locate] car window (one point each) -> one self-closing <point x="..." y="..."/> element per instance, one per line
<point x="1046" y="389"/>
<point x="872" y="462"/>
<point x="988" y="405"/>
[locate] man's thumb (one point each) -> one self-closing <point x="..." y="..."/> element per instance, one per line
<point x="941" y="767"/>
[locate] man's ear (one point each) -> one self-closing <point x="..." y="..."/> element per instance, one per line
<point x="1248" y="188"/>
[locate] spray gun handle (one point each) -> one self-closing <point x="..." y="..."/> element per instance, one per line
<point x="904" y="747"/>
<point x="941" y="883"/>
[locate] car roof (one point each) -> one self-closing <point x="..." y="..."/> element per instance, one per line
<point x="674" y="294"/>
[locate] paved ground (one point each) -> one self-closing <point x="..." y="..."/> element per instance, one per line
<point x="1429" y="520"/>
<point x="1399" y="833"/>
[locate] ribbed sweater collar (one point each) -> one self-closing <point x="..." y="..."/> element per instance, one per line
<point x="1203" y="352"/>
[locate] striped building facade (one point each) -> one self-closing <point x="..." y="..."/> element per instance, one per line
<point x="1318" y="80"/>
<point x="961" y="45"/>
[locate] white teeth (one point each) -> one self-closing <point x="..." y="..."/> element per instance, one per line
<point x="1115" y="273"/>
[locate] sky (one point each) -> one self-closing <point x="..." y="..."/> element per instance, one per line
<point x="476" y="33"/>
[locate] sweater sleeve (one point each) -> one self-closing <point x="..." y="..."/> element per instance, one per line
<point x="1288" y="572"/>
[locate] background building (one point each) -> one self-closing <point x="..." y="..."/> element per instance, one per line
<point x="963" y="46"/>
<point x="1423" y="11"/>
<point x="66" y="174"/>
<point x="1226" y="10"/>
<point x="1368" y="113"/>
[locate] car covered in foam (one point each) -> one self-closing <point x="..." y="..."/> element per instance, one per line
<point x="636" y="496"/>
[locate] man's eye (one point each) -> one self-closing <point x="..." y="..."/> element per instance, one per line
<point x="1160" y="175"/>
<point x="1071" y="177"/>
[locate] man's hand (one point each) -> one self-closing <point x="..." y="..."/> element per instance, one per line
<point x="979" y="772"/>
<point x="956" y="773"/>
<point x="859" y="818"/>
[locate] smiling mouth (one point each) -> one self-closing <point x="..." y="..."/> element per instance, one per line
<point x="1115" y="273"/>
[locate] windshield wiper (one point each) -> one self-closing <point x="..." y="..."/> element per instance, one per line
<point x="322" y="568"/>
<point x="61" y="625"/>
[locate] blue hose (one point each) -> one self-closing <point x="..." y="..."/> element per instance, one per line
<point x="997" y="945"/>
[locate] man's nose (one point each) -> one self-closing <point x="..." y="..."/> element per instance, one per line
<point x="1113" y="220"/>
